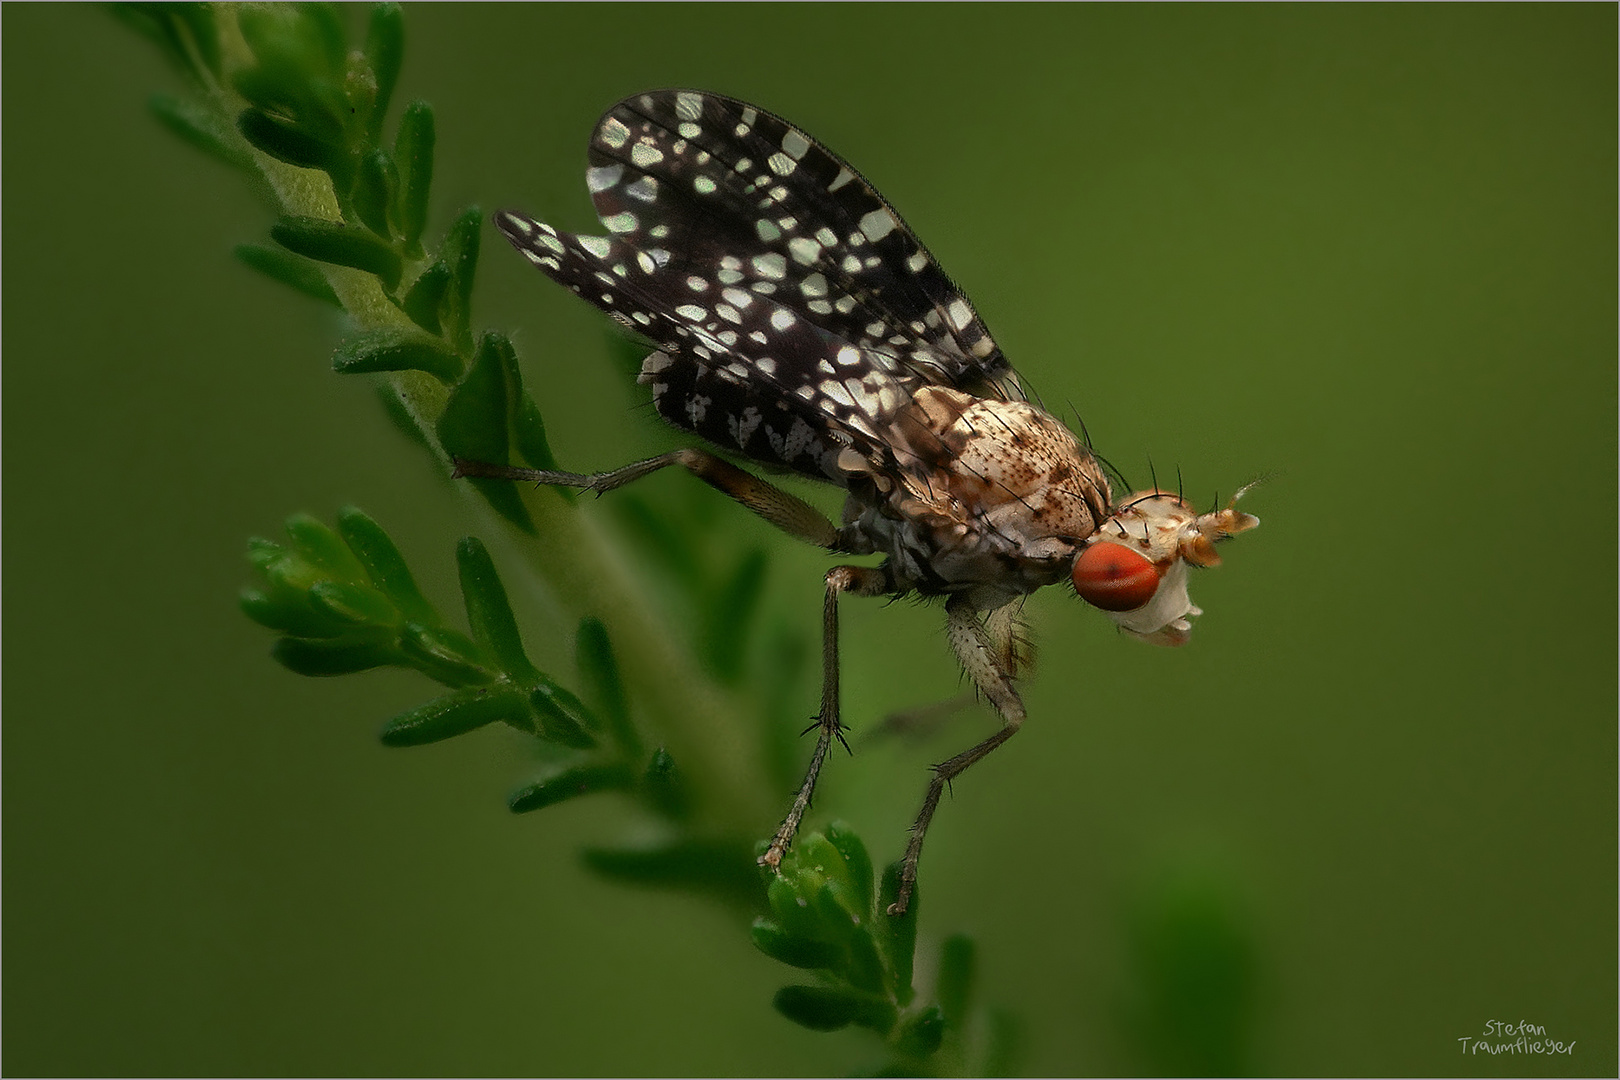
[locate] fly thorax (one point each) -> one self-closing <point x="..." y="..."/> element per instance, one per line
<point x="980" y="491"/>
<point x="1005" y="465"/>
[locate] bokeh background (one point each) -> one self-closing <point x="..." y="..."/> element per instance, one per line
<point x="1370" y="249"/>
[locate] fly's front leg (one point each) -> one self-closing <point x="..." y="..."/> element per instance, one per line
<point x="787" y="512"/>
<point x="862" y="581"/>
<point x="989" y="656"/>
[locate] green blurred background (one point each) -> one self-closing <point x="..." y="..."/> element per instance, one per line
<point x="1371" y="249"/>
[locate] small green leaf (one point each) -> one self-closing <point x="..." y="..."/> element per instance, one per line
<point x="570" y="784"/>
<point x="857" y="862"/>
<point x="290" y="612"/>
<point x="322" y="546"/>
<point x="863" y="968"/>
<point x="383" y="564"/>
<point x="374" y="192"/>
<point x="200" y="128"/>
<point x="789" y="897"/>
<point x="489" y="613"/>
<point x="357" y="604"/>
<point x="460" y="253"/>
<point x="922" y="1034"/>
<point x="261" y="609"/>
<point x="444" y="654"/>
<point x="385" y="51"/>
<point x="261" y="552"/>
<point x="815" y="851"/>
<point x="958" y="966"/>
<point x="563" y="717"/>
<point x="342" y="245"/>
<point x="319" y="658"/>
<point x="457" y="713"/>
<point x="413" y="154"/>
<point x="898" y="935"/>
<point x="289" y="142"/>
<point x="476" y="421"/>
<point x="389" y="350"/>
<point x="828" y="1008"/>
<point x="424" y="299"/>
<point x="289" y="269"/>
<point x="599" y="671"/>
<point x="798" y="952"/>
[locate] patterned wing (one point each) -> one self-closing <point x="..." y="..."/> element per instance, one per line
<point x="715" y="177"/>
<point x="738" y="368"/>
<point x="794" y="311"/>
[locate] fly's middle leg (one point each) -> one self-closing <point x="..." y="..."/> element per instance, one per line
<point x="989" y="652"/>
<point x="862" y="581"/>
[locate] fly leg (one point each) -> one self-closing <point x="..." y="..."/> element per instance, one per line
<point x="787" y="512"/>
<point x="989" y="653"/>
<point x="862" y="581"/>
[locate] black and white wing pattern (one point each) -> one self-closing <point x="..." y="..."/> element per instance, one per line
<point x="794" y="310"/>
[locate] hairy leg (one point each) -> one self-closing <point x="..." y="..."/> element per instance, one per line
<point x="862" y="581"/>
<point x="988" y="657"/>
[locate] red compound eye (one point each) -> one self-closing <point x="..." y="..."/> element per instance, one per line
<point x="1114" y="578"/>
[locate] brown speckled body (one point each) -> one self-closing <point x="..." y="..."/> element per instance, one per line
<point x="985" y="497"/>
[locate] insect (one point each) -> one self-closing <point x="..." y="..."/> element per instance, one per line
<point x="796" y="321"/>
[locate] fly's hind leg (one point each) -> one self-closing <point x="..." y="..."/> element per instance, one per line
<point x="862" y="581"/>
<point x="787" y="512"/>
<point x="989" y="652"/>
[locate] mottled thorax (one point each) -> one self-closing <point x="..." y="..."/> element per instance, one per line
<point x="985" y="494"/>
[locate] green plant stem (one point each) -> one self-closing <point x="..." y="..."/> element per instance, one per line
<point x="702" y="725"/>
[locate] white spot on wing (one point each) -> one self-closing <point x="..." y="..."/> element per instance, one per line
<point x="878" y="224"/>
<point x="602" y="177"/>
<point x="613" y="132"/>
<point x="772" y="266"/>
<point x="803" y="250"/>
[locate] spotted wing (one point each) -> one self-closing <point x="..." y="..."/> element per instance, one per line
<point x="794" y="311"/>
<point x="734" y="366"/>
<point x="758" y="203"/>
